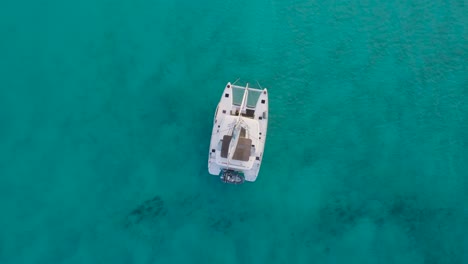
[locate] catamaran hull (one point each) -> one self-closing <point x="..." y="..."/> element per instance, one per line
<point x="247" y="157"/>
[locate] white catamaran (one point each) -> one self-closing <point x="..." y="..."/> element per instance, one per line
<point x="239" y="133"/>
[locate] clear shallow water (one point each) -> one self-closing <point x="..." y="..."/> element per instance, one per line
<point x="106" y="111"/>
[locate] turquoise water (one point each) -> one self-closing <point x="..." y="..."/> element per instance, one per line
<point x="106" y="110"/>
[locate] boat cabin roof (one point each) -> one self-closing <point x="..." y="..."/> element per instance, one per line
<point x="242" y="151"/>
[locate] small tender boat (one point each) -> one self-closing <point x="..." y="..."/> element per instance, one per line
<point x="239" y="133"/>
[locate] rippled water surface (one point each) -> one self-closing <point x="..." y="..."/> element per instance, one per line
<point x="106" y="110"/>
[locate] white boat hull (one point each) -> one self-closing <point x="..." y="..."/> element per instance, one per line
<point x="244" y="153"/>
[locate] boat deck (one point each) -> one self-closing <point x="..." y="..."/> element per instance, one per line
<point x="248" y="153"/>
<point x="243" y="148"/>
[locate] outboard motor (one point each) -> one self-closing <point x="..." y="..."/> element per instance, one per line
<point x="232" y="177"/>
